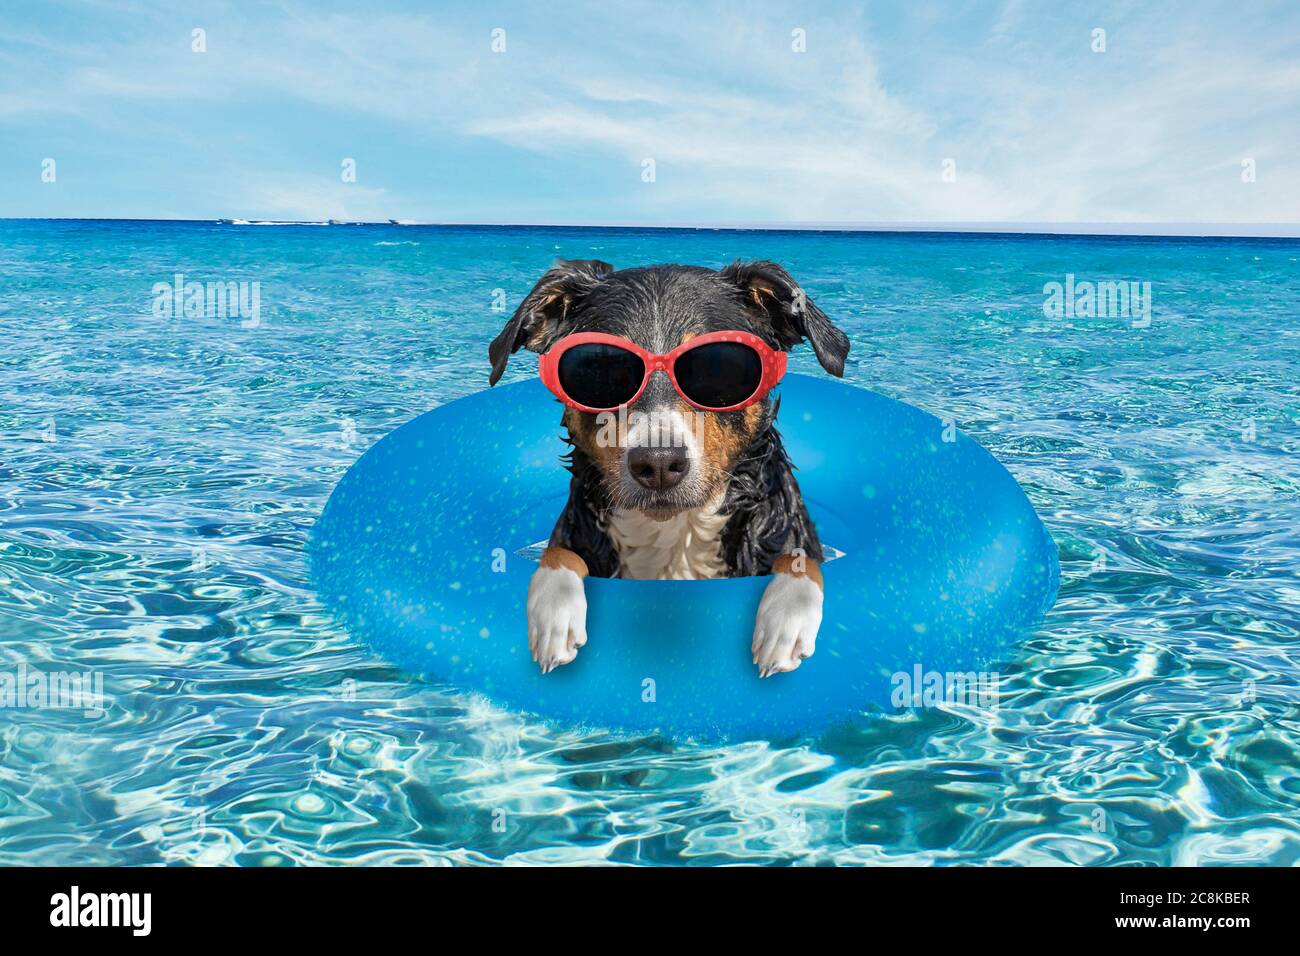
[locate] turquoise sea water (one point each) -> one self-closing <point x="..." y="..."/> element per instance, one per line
<point x="159" y="477"/>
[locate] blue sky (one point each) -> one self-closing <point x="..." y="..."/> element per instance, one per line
<point x="742" y="129"/>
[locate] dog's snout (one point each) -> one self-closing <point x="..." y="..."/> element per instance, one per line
<point x="658" y="468"/>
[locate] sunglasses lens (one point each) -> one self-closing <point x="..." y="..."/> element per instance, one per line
<point x="720" y="374"/>
<point x="600" y="376"/>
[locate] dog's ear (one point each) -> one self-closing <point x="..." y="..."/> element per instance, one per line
<point x="540" y="318"/>
<point x="770" y="290"/>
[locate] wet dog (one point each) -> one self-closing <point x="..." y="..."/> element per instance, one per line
<point x="677" y="467"/>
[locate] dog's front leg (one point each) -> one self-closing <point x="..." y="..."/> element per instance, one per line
<point x="785" y="631"/>
<point x="557" y="609"/>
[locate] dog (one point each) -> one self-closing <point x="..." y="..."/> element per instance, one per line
<point x="687" y="478"/>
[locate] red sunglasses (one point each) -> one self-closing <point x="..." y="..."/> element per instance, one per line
<point x="714" y="372"/>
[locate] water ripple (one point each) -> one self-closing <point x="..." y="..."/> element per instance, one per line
<point x="159" y="478"/>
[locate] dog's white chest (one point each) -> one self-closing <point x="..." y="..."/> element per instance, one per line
<point x="686" y="546"/>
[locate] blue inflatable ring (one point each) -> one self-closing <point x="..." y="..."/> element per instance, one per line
<point x="422" y="551"/>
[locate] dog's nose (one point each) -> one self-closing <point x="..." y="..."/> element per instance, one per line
<point x="658" y="468"/>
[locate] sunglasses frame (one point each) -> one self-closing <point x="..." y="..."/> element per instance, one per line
<point x="773" y="362"/>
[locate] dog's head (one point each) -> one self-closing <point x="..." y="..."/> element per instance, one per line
<point x="664" y="456"/>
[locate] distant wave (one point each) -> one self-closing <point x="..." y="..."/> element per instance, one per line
<point x="274" y="222"/>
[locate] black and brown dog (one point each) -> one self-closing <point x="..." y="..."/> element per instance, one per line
<point x="719" y="499"/>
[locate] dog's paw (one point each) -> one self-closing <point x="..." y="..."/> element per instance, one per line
<point x="785" y="631"/>
<point x="557" y="617"/>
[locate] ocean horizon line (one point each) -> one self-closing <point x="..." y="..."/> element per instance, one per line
<point x="1135" y="230"/>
